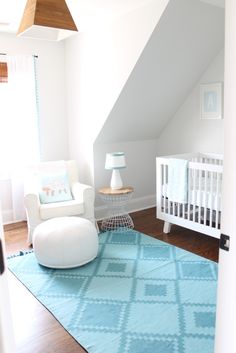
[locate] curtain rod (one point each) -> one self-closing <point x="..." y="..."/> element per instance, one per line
<point x="35" y="56"/>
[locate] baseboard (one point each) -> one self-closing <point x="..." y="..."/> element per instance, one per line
<point x="135" y="204"/>
<point x="7" y="216"/>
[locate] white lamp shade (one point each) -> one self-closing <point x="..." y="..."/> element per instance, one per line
<point x="115" y="160"/>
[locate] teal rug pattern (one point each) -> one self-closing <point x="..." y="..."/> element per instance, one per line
<point x="140" y="295"/>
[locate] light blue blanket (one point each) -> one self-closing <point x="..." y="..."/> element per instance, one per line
<point x="178" y="180"/>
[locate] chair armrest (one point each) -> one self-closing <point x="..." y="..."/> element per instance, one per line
<point x="86" y="194"/>
<point x="31" y="201"/>
<point x="82" y="192"/>
<point x="32" y="207"/>
<point x="31" y="190"/>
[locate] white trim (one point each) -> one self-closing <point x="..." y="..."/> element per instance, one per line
<point x="182" y="222"/>
<point x="142" y="203"/>
<point x="135" y="204"/>
<point x="7" y="340"/>
<point x="7" y="216"/>
<point x="225" y="339"/>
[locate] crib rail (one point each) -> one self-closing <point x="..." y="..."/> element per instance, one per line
<point x="202" y="212"/>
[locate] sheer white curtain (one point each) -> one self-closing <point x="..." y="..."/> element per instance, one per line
<point x="19" y="136"/>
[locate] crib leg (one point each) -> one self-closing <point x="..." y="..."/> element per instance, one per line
<point x="167" y="227"/>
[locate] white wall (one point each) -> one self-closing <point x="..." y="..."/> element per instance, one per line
<point x="139" y="173"/>
<point x="6" y="201"/>
<point x="167" y="70"/>
<point x="98" y="64"/>
<point x="151" y="96"/>
<point x="186" y="132"/>
<point x="51" y="86"/>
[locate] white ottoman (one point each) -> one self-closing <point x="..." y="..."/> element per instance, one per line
<point x="65" y="242"/>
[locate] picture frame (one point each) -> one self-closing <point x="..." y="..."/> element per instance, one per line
<point x="211" y="101"/>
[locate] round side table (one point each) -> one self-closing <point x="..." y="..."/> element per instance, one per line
<point x="116" y="202"/>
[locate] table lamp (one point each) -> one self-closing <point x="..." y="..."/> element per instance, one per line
<point x="115" y="161"/>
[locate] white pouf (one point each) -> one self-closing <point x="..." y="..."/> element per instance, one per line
<point x="65" y="242"/>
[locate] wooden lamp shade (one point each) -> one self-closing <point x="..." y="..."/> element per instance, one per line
<point x="47" y="19"/>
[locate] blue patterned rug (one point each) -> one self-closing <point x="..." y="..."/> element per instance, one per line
<point x="139" y="295"/>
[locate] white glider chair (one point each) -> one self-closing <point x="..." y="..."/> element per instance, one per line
<point x="52" y="190"/>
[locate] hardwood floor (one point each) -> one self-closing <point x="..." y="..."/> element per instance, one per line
<point x="36" y="330"/>
<point x="145" y="221"/>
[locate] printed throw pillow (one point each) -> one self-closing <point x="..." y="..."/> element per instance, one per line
<point x="55" y="188"/>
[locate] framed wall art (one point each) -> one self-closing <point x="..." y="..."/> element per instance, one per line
<point x="211" y="101"/>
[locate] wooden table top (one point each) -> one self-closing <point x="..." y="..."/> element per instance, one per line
<point x="110" y="191"/>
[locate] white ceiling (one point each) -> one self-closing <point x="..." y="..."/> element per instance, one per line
<point x="219" y="3"/>
<point x="10" y="13"/>
<point x="86" y="13"/>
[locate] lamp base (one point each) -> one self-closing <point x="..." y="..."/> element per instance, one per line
<point x="116" y="182"/>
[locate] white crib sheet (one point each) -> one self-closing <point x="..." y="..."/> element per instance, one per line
<point x="205" y="199"/>
<point x="209" y="199"/>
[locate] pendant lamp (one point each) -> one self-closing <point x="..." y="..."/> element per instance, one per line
<point x="47" y="19"/>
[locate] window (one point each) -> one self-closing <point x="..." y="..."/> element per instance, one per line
<point x="19" y="136"/>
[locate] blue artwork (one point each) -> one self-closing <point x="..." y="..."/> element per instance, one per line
<point x="211" y="107"/>
<point x="210" y="102"/>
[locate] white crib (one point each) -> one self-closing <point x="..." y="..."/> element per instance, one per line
<point x="202" y="211"/>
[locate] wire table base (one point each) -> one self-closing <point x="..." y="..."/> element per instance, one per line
<point x="117" y="217"/>
<point x="117" y="222"/>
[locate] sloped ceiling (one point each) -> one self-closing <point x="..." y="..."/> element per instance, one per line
<point x="186" y="39"/>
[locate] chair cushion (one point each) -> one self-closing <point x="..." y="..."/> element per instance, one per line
<point x="54" y="187"/>
<point x="59" y="209"/>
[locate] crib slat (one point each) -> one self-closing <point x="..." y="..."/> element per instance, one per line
<point x="161" y="186"/>
<point x="168" y="202"/>
<point x="194" y="195"/>
<point x="189" y="192"/>
<point x="200" y="196"/>
<point x="211" y="199"/>
<point x="164" y="186"/>
<point x="178" y="210"/>
<point x="217" y="198"/>
<point x="206" y="198"/>
<point x="160" y="166"/>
